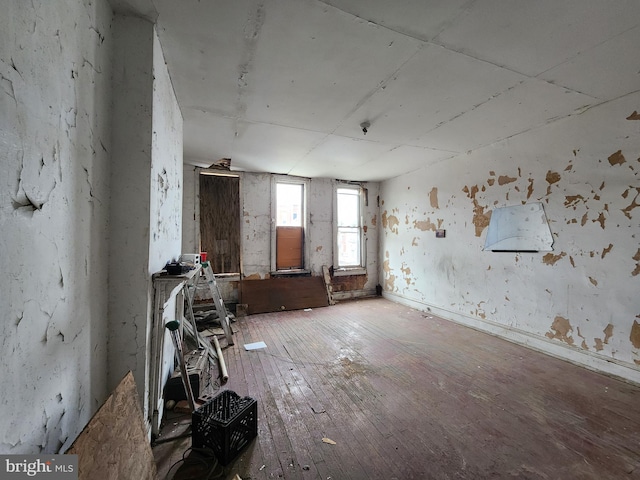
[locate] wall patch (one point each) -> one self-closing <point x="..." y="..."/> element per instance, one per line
<point x="424" y="225"/>
<point x="560" y="329"/>
<point x="616" y="158"/>
<point x="504" y="179"/>
<point x="433" y="197"/>
<point x="393" y="222"/>
<point x="606" y="250"/>
<point x="634" y="116"/>
<point x="608" y="333"/>
<point x="551" y="259"/>
<point x="632" y="205"/>
<point x="635" y="334"/>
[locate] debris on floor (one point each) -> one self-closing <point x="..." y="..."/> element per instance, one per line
<point x="255" y="346"/>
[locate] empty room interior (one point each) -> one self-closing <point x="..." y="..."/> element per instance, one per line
<point x="405" y="235"/>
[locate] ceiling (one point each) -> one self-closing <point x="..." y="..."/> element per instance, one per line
<point x="284" y="86"/>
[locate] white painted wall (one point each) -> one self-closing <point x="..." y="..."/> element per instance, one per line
<point x="146" y="214"/>
<point x="320" y="229"/>
<point x="166" y="168"/>
<point x="166" y="194"/>
<point x="580" y="301"/>
<point x="55" y="149"/>
<point x="255" y="229"/>
<point x="190" y="210"/>
<point x="91" y="142"/>
<point x="129" y="275"/>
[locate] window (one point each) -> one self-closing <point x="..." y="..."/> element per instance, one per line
<point x="289" y="200"/>
<point x="289" y="213"/>
<point x="349" y="237"/>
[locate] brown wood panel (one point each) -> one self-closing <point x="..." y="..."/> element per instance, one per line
<point x="276" y="294"/>
<point x="347" y="283"/>
<point x="114" y="443"/>
<point x="289" y="247"/>
<point x="405" y="394"/>
<point x="220" y="222"/>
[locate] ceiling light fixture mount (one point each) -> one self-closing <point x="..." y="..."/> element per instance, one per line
<point x="365" y="127"/>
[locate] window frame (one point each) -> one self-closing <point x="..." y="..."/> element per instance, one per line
<point x="275" y="180"/>
<point x="360" y="267"/>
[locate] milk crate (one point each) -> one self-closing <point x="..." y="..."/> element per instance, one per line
<point x="226" y="424"/>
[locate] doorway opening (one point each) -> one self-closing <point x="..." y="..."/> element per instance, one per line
<point x="220" y="221"/>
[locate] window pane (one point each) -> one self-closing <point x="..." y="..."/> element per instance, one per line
<point x="348" y="208"/>
<point x="348" y="247"/>
<point x="289" y="204"/>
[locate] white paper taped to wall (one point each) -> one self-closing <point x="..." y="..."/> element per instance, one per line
<point x="520" y="228"/>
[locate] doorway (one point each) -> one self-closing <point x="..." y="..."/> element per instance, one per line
<point x="220" y="221"/>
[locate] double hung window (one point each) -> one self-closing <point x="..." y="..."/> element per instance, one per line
<point x="349" y="238"/>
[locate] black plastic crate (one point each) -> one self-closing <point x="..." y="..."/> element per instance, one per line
<point x="226" y="424"/>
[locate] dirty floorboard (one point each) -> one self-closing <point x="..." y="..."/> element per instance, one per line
<point x="407" y="395"/>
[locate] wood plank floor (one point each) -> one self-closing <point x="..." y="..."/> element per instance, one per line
<point x="406" y="395"/>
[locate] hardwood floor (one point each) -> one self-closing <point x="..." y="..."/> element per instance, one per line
<point x="406" y="395"/>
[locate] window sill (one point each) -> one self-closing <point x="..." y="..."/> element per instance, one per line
<point x="227" y="276"/>
<point x="294" y="272"/>
<point x="343" y="272"/>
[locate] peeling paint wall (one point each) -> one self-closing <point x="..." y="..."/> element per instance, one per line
<point x="190" y="210"/>
<point x="91" y="141"/>
<point x="256" y="225"/>
<point x="584" y="295"/>
<point x="166" y="196"/>
<point x="129" y="278"/>
<point x="55" y="147"/>
<point x="146" y="213"/>
<point x="320" y="229"/>
<point x="166" y="167"/>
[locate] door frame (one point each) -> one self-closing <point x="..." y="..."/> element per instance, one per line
<point x="196" y="204"/>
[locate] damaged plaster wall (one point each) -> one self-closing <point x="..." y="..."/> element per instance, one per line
<point x="55" y="147"/>
<point x="256" y="226"/>
<point x="129" y="278"/>
<point x="146" y="213"/>
<point x="166" y="168"/>
<point x="166" y="191"/>
<point x="581" y="298"/>
<point x="190" y="210"/>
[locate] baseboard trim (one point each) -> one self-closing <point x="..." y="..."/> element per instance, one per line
<point x="583" y="358"/>
<point x="351" y="294"/>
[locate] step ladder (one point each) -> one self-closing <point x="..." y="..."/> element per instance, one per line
<point x="217" y="300"/>
<point x="191" y="328"/>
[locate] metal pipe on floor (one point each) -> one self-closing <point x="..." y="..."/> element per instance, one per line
<point x="224" y="376"/>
